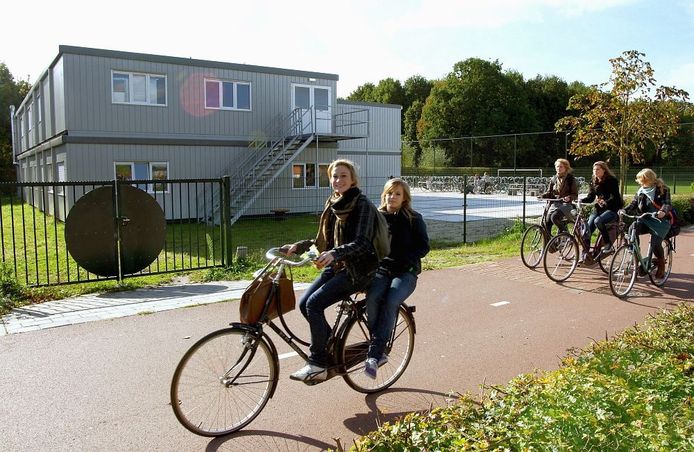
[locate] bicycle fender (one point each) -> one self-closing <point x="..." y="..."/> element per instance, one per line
<point x="268" y="341"/>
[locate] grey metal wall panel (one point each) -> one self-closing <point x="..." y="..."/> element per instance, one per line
<point x="58" y="97"/>
<point x="90" y="107"/>
<point x="384" y="129"/>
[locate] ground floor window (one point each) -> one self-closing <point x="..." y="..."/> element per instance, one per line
<point x="144" y="170"/>
<point x="304" y="175"/>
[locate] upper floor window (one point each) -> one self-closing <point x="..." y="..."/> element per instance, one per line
<point x="39" y="109"/>
<point x="135" y="88"/>
<point x="227" y="95"/>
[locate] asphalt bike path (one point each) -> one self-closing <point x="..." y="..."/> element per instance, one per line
<point x="103" y="385"/>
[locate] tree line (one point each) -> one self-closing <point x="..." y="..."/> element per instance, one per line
<point x="12" y="92"/>
<point x="484" y="116"/>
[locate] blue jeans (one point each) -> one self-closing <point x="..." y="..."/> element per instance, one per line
<point x="382" y="302"/>
<point x="600" y="221"/>
<point x="326" y="290"/>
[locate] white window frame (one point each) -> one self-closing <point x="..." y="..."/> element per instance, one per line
<point x="220" y="87"/>
<point x="151" y="187"/>
<point x="60" y="171"/>
<point x="323" y="170"/>
<point x="316" y="175"/>
<point x="48" y="172"/>
<point x="130" y="164"/>
<point x="148" y="94"/>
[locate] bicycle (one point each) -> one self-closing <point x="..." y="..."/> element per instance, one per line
<point x="560" y="265"/>
<point x="627" y="262"/>
<point x="225" y="379"/>
<point x="535" y="238"/>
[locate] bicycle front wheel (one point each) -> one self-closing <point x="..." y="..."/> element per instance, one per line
<point x="223" y="382"/>
<point x="532" y="245"/>
<point x="667" y="248"/>
<point x="561" y="257"/>
<point x="354" y="345"/>
<point x="623" y="268"/>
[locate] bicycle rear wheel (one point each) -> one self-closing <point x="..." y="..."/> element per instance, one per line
<point x="223" y="382"/>
<point x="532" y="246"/>
<point x="354" y="345"/>
<point x="667" y="248"/>
<point x="561" y="257"/>
<point x="623" y="268"/>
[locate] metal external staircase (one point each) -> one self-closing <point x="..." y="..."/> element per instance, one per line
<point x="266" y="161"/>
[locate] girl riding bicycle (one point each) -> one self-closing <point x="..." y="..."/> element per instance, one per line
<point x="605" y="187"/>
<point x="347" y="258"/>
<point x="396" y="278"/>
<point x="653" y="196"/>
<point x="563" y="186"/>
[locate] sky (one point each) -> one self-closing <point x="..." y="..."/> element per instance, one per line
<point x="366" y="41"/>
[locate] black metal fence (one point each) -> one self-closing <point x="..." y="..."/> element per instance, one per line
<point x="32" y="228"/>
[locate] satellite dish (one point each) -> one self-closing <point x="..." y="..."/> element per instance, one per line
<point x="91" y="234"/>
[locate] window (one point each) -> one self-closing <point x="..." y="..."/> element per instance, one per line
<point x="124" y="171"/>
<point x="323" y="178"/>
<point x="144" y="171"/>
<point x="48" y="176"/>
<point x="298" y="176"/>
<point x="159" y="171"/>
<point x="39" y="109"/>
<point x="304" y="175"/>
<point x="61" y="177"/>
<point x="141" y="89"/>
<point x="227" y="95"/>
<point x="30" y="123"/>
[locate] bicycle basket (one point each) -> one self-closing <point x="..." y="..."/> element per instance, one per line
<point x="257" y="295"/>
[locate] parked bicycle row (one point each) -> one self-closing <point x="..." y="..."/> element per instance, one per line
<point x="617" y="249"/>
<point x="485" y="184"/>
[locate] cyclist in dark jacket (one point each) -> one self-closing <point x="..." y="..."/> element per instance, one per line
<point x="653" y="196"/>
<point x="396" y="278"/>
<point x="604" y="187"/>
<point x="347" y="257"/>
<point x="562" y="186"/>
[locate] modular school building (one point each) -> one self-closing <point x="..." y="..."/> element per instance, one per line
<point x="98" y="114"/>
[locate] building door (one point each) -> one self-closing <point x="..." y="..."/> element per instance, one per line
<point x="315" y="108"/>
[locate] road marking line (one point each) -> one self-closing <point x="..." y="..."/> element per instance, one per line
<point x="287" y="355"/>
<point x="500" y="303"/>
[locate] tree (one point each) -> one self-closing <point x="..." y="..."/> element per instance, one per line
<point x="476" y="98"/>
<point x="11" y="93"/>
<point x="363" y="93"/>
<point x="628" y="118"/>
<point x="412" y="116"/>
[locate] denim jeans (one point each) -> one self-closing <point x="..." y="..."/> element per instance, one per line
<point x="326" y="290"/>
<point x="382" y="302"/>
<point x="600" y="221"/>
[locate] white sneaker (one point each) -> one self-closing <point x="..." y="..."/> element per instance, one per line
<point x="310" y="372"/>
<point x="371" y="368"/>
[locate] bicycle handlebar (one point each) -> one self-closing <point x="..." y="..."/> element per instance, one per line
<point x="274" y="253"/>
<point x="638" y="217"/>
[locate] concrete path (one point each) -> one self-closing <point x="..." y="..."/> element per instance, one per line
<point x="91" y="307"/>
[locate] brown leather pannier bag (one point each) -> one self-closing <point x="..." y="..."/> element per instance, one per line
<point x="255" y="295"/>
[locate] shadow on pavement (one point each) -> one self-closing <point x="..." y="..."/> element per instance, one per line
<point x="392" y="404"/>
<point x="252" y="440"/>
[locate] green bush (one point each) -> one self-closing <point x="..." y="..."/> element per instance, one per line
<point x="11" y="291"/>
<point x="634" y="392"/>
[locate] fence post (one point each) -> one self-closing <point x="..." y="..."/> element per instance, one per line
<point x="525" y="180"/>
<point x="117" y="223"/>
<point x="674" y="183"/>
<point x="226" y="220"/>
<point x="465" y="209"/>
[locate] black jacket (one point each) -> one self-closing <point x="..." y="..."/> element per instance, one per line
<point x="409" y="243"/>
<point x="608" y="190"/>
